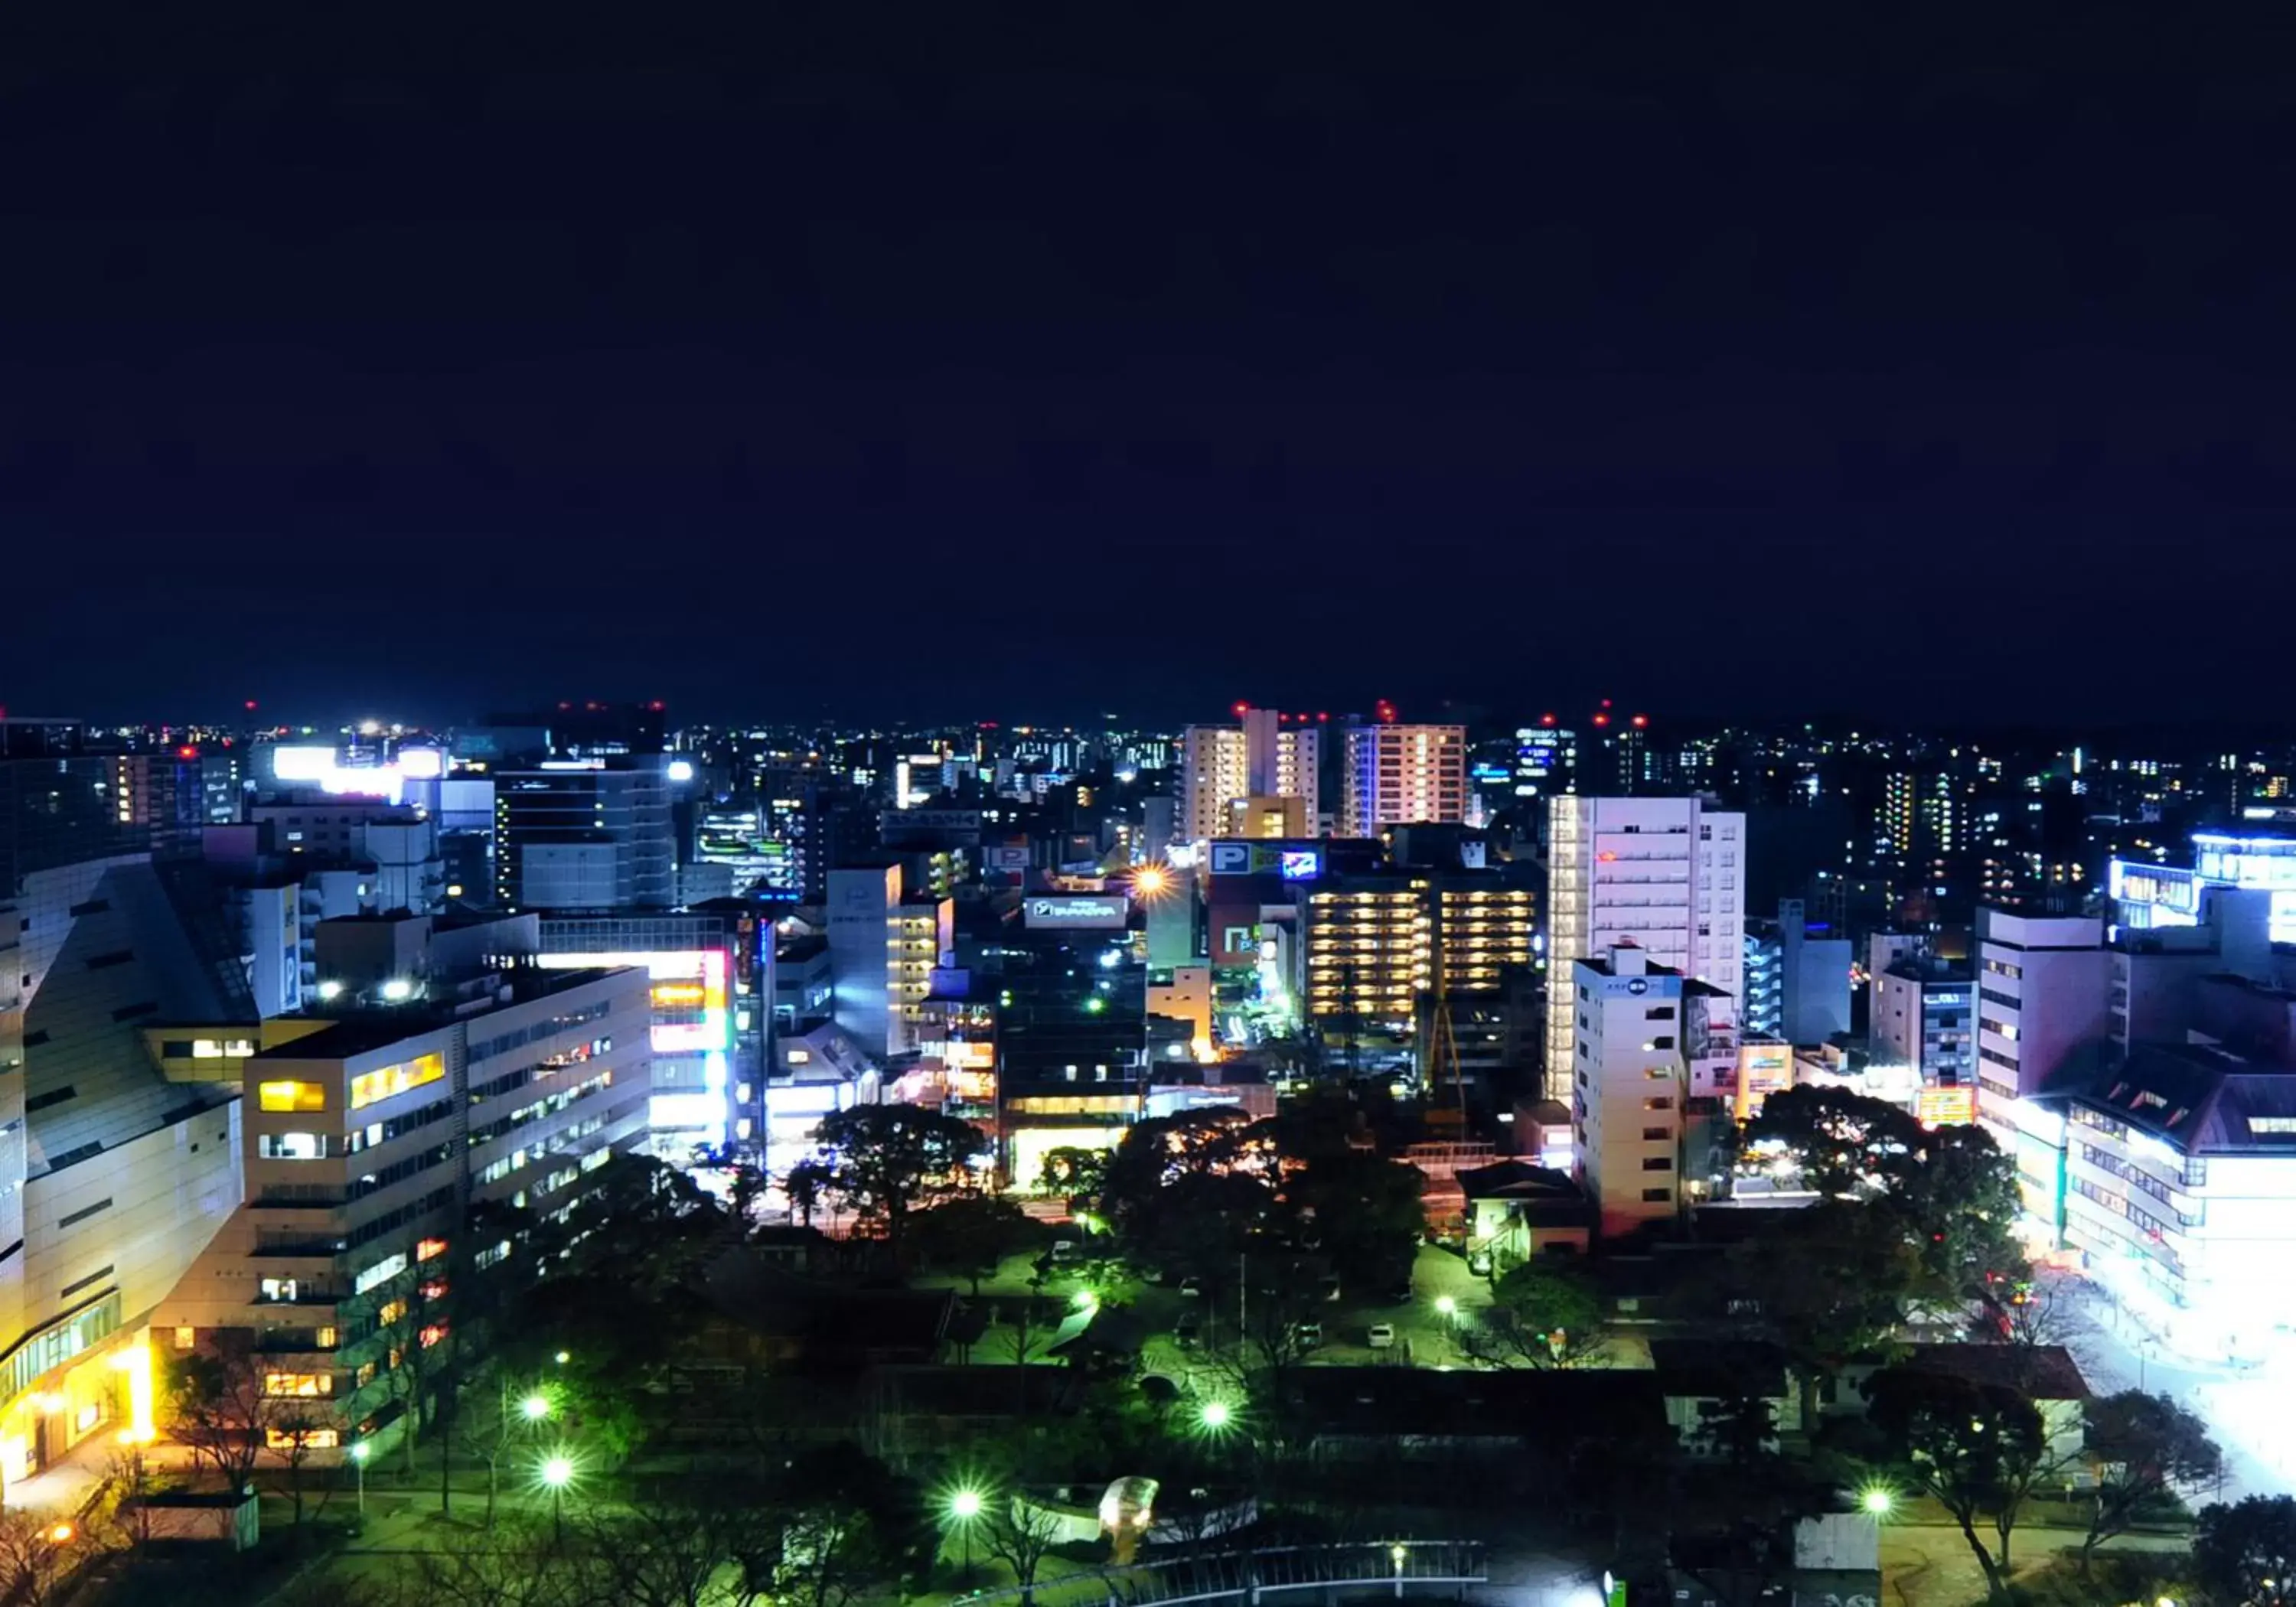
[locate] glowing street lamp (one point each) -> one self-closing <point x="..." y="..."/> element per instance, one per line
<point x="536" y="1407"/>
<point x="1446" y="1307"/>
<point x="963" y="1509"/>
<point x="1877" y="1503"/>
<point x="556" y="1473"/>
<point x="1215" y="1415"/>
<point x="360" y="1452"/>
<point x="562" y="1358"/>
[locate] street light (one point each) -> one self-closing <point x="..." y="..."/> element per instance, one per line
<point x="1877" y="1503"/>
<point x="1215" y="1415"/>
<point x="360" y="1451"/>
<point x="964" y="1507"/>
<point x="562" y="1358"/>
<point x="62" y="1534"/>
<point x="557" y="1472"/>
<point x="536" y="1407"/>
<point x="1445" y="1305"/>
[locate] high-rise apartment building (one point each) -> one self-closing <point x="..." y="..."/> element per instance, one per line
<point x="884" y="944"/>
<point x="1261" y="756"/>
<point x="1399" y="775"/>
<point x="1664" y="874"/>
<point x="1623" y="1016"/>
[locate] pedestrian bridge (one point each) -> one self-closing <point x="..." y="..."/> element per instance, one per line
<point x="1287" y="1574"/>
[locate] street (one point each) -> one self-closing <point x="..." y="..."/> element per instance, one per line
<point x="2244" y="1409"/>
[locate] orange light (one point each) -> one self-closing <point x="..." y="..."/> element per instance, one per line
<point x="62" y="1534"/>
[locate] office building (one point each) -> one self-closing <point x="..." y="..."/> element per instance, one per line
<point x="1070" y="1008"/>
<point x="1624" y="1015"/>
<point x="884" y="945"/>
<point x="112" y="1179"/>
<point x="1397" y="775"/>
<point x="585" y="834"/>
<point x="2042" y="997"/>
<point x="1664" y="874"/>
<point x="1263" y="755"/>
<point x="1545" y="761"/>
<point x="367" y="1141"/>
<point x="1797" y="978"/>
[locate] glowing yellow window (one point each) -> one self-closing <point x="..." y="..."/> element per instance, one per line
<point x="291" y="1096"/>
<point x="371" y="1086"/>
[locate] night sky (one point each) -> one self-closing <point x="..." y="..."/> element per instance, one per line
<point x="958" y="364"/>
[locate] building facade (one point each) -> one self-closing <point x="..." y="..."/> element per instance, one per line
<point x="2042" y="995"/>
<point x="1664" y="874"/>
<point x="1398" y="774"/>
<point x="1625" y="1017"/>
<point x="1261" y="756"/>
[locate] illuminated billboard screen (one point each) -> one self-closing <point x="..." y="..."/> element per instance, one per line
<point x="691" y="1005"/>
<point x="1299" y="864"/>
<point x="1089" y="911"/>
<point x="1947" y="1107"/>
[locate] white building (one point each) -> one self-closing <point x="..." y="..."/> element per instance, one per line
<point x="1664" y="874"/>
<point x="1398" y="774"/>
<point x="2042" y="984"/>
<point x="884" y="945"/>
<point x="368" y="1139"/>
<point x="1624" y="1015"/>
<point x="1261" y="756"/>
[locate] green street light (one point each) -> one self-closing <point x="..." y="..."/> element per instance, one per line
<point x="556" y="1473"/>
<point x="1215" y="1415"/>
<point x="964" y="1507"/>
<point x="536" y="1407"/>
<point x="1877" y="1502"/>
<point x="562" y="1358"/>
<point x="1446" y="1305"/>
<point x="1084" y="1300"/>
<point x="360" y="1451"/>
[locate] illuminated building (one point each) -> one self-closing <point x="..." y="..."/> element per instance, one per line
<point x="1923" y="1016"/>
<point x="1071" y="1012"/>
<point x="591" y="833"/>
<point x="1261" y="756"/>
<point x="2179" y="1169"/>
<point x="2146" y="896"/>
<point x="884" y="945"/>
<point x="2041" y="1001"/>
<point x="1797" y="978"/>
<point x="1400" y="774"/>
<point x="1546" y="759"/>
<point x="708" y="1019"/>
<point x="112" y="1179"/>
<point x="364" y="1141"/>
<point x="1661" y="873"/>
<point x="1625" y="1018"/>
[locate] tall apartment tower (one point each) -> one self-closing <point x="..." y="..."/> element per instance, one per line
<point x="1663" y="874"/>
<point x="1402" y="774"/>
<point x="2043" y="999"/>
<point x="1259" y="757"/>
<point x="1624" y="1016"/>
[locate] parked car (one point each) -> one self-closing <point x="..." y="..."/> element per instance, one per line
<point x="1307" y="1335"/>
<point x="1382" y="1336"/>
<point x="1186" y="1332"/>
<point x="1064" y="1250"/>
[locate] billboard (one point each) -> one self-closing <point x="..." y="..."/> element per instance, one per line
<point x="1095" y="912"/>
<point x="689" y="990"/>
<point x="1947" y="1107"/>
<point x="1294" y="861"/>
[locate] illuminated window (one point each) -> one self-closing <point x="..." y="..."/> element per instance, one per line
<point x="300" y="1385"/>
<point x="291" y="1147"/>
<point x="310" y="1439"/>
<point x="427" y="1249"/>
<point x="371" y="1086"/>
<point x="185" y="1337"/>
<point x="326" y="1338"/>
<point x="291" y="1096"/>
<point x="391" y="1312"/>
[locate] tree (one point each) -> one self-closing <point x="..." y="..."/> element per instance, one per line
<point x="224" y="1398"/>
<point x="1163" y="1151"/>
<point x="2246" y="1552"/>
<point x="972" y="1235"/>
<point x="1830" y="1282"/>
<point x="675" y="1551"/>
<point x="1363" y="1214"/>
<point x="1543" y="1314"/>
<point x="846" y="1525"/>
<point x="1980" y="1450"/>
<point x="1957" y="1194"/>
<point x="807" y="1186"/>
<point x="1074" y="1173"/>
<point x="2145" y="1446"/>
<point x="293" y="1435"/>
<point x="39" y="1554"/>
<point x="890" y="1160"/>
<point x="1838" y="1141"/>
<point x="1020" y="1534"/>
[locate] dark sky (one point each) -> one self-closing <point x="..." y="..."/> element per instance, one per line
<point x="956" y="364"/>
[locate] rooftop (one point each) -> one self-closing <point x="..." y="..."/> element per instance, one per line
<point x="2201" y="1100"/>
<point x="2044" y="1372"/>
<point x="360" y="1031"/>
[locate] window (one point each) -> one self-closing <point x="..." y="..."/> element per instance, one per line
<point x="291" y="1096"/>
<point x="298" y="1385"/>
<point x="291" y="1146"/>
<point x="1658" y="1012"/>
<point x="313" y="1440"/>
<point x="1657" y="1073"/>
<point x="369" y="1086"/>
<point x="86" y="1212"/>
<point x="1657" y="1134"/>
<point x="1658" y="1163"/>
<point x="1659" y="1043"/>
<point x="1660" y="1101"/>
<point x="185" y="1337"/>
<point x="327" y="1337"/>
<point x="2272" y="1123"/>
<point x="427" y="1249"/>
<point x="1657" y="1196"/>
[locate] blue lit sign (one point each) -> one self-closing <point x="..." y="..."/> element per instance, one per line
<point x="1299" y="864"/>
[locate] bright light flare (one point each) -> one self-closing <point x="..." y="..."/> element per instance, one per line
<point x="557" y="1472"/>
<point x="1215" y="1415"/>
<point x="1151" y="882"/>
<point x="536" y="1407"/>
<point x="964" y="1505"/>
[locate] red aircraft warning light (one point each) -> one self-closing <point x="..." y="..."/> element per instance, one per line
<point x="1641" y="720"/>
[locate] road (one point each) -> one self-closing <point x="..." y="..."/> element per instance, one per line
<point x="2246" y="1409"/>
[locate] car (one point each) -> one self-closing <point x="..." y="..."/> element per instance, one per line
<point x="1307" y="1335"/>
<point x="1185" y="1333"/>
<point x="1381" y="1336"/>
<point x="1192" y="1288"/>
<point x="1064" y="1250"/>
